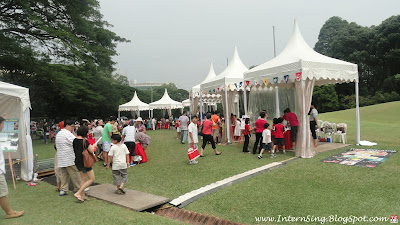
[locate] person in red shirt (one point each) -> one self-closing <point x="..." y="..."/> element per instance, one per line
<point x="246" y="134"/>
<point x="207" y="135"/>
<point x="292" y="120"/>
<point x="259" y="126"/>
<point x="279" y="138"/>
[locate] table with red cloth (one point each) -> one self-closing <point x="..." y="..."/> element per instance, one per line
<point x="166" y="126"/>
<point x="288" y="141"/>
<point x="140" y="151"/>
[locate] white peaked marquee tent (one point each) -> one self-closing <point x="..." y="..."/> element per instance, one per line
<point x="134" y="105"/>
<point x="166" y="103"/>
<point x="186" y="103"/>
<point x="228" y="83"/>
<point x="298" y="66"/>
<point x="14" y="100"/>
<point x="200" y="95"/>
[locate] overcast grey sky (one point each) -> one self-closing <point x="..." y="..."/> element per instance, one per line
<point x="175" y="41"/>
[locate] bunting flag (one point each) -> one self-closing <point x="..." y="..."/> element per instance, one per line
<point x="223" y="88"/>
<point x="298" y="76"/>
<point x="265" y="80"/>
<point x="275" y="80"/>
<point x="247" y="83"/>
<point x="213" y="90"/>
<point x="240" y="84"/>
<point x="218" y="89"/>
<point x="256" y="82"/>
<point x="235" y="85"/>
<point x="229" y="86"/>
<point x="286" y="78"/>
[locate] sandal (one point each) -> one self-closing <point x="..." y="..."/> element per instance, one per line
<point x="122" y="191"/>
<point x="118" y="192"/>
<point x="219" y="153"/>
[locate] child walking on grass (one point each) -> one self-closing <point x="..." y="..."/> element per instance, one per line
<point x="119" y="154"/>
<point x="193" y="138"/>
<point x="246" y="135"/>
<point x="266" y="141"/>
<point x="279" y="138"/>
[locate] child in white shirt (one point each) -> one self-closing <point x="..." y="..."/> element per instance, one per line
<point x="119" y="154"/>
<point x="193" y="136"/>
<point x="266" y="143"/>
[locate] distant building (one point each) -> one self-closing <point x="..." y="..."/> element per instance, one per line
<point x="145" y="85"/>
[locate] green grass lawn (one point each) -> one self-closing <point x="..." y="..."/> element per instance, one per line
<point x="379" y="123"/>
<point x="303" y="187"/>
<point x="43" y="206"/>
<point x="310" y="187"/>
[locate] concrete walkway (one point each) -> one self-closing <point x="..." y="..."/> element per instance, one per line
<point x="190" y="197"/>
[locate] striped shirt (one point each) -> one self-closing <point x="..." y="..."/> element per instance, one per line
<point x="65" y="150"/>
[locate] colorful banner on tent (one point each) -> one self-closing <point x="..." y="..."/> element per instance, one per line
<point x="240" y="84"/>
<point x="247" y="83"/>
<point x="229" y="86"/>
<point x="265" y="80"/>
<point x="256" y="82"/>
<point x="9" y="135"/>
<point x="361" y="157"/>
<point x="286" y="78"/>
<point x="275" y="80"/>
<point x="298" y="76"/>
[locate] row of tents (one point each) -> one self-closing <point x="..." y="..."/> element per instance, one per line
<point x="297" y="68"/>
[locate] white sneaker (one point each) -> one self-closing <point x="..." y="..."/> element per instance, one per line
<point x="62" y="193"/>
<point x="86" y="189"/>
<point x="284" y="152"/>
<point x="272" y="156"/>
<point x="193" y="162"/>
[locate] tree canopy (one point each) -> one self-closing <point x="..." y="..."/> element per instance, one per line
<point x="62" y="51"/>
<point x="375" y="49"/>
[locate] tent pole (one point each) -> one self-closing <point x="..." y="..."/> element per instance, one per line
<point x="201" y="106"/>
<point x="358" y="114"/>
<point x="119" y="114"/>
<point x="238" y="109"/>
<point x="227" y="115"/>
<point x="277" y="111"/>
<point x="245" y="99"/>
<point x="304" y="120"/>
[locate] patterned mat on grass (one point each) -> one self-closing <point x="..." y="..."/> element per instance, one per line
<point x="361" y="157"/>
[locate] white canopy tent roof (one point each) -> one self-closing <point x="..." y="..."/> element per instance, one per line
<point x="134" y="105"/>
<point x="299" y="66"/>
<point x="166" y="103"/>
<point x="186" y="103"/>
<point x="299" y="57"/>
<point x="231" y="77"/>
<point x="196" y="90"/>
<point x="14" y="100"/>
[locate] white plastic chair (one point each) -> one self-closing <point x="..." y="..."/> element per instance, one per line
<point x="341" y="134"/>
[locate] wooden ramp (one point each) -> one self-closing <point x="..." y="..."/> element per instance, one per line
<point x="134" y="200"/>
<point x="190" y="197"/>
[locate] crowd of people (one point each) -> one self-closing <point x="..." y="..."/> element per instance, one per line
<point x="270" y="137"/>
<point x="113" y="142"/>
